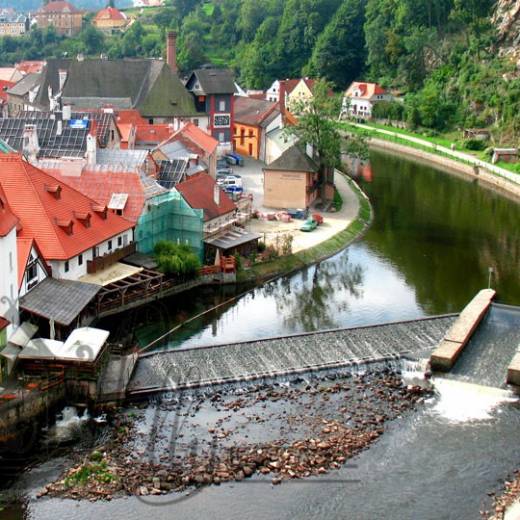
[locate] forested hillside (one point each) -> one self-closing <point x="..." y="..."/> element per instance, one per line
<point x="454" y="60"/>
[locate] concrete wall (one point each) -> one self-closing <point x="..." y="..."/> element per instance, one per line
<point x="283" y="189"/>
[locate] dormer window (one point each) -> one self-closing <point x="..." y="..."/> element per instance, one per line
<point x="100" y="210"/>
<point x="54" y="190"/>
<point x="66" y="224"/>
<point x="83" y="217"/>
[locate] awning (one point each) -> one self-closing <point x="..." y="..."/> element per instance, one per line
<point x="232" y="238"/>
<point x="23" y="334"/>
<point x="59" y="300"/>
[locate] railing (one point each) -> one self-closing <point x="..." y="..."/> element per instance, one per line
<point x="102" y="262"/>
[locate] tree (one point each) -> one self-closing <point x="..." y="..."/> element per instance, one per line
<point x="339" y="55"/>
<point x="317" y="127"/>
<point x="176" y="259"/>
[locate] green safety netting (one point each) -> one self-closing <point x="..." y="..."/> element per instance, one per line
<point x="169" y="217"/>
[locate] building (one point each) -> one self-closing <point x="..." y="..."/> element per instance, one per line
<point x="70" y="230"/>
<point x="110" y="20"/>
<point x="21" y="96"/>
<point x="290" y="92"/>
<point x="254" y="118"/>
<point x="191" y="143"/>
<point x="61" y="15"/>
<point x="148" y="3"/>
<point x="146" y="85"/>
<point x="277" y="142"/>
<point x="13" y="25"/>
<point x="4" y="100"/>
<point x="360" y="98"/>
<point x="221" y="235"/>
<point x="291" y="181"/>
<point x="213" y="91"/>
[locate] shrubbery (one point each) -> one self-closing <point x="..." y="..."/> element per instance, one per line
<point x="176" y="259"/>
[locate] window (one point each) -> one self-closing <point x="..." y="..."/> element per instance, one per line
<point x="109" y="245"/>
<point x="66" y="266"/>
<point x="32" y="272"/>
<point x="221" y="137"/>
<point x="196" y="122"/>
<point x="119" y="241"/>
<point x="112" y="135"/>
<point x="222" y="105"/>
<point x="80" y="260"/>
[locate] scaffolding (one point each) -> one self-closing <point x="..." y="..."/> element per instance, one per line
<point x="169" y="217"/>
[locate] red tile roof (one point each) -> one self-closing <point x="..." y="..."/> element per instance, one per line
<point x="100" y="186"/>
<point x="30" y="66"/>
<point x="47" y="207"/>
<point x="153" y="134"/>
<point x="198" y="191"/>
<point x="8" y="219"/>
<point x="110" y="13"/>
<point x="367" y="90"/>
<point x="198" y="137"/>
<point x="130" y="116"/>
<point x="23" y="250"/>
<point x="250" y="111"/>
<point x="4" y="85"/>
<point x="59" y="6"/>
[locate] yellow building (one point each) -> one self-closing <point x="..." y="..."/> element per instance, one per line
<point x="110" y="19"/>
<point x="253" y="119"/>
<point x="299" y="95"/>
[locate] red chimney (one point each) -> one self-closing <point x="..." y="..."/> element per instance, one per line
<point x="171" y="50"/>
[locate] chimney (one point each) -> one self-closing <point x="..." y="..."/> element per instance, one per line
<point x="31" y="146"/>
<point x="59" y="127"/>
<point x="216" y="194"/>
<point x="171" y="50"/>
<point x="66" y="112"/>
<point x="91" y="150"/>
<point x="62" y="73"/>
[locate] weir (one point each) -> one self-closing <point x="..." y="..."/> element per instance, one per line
<point x="203" y="366"/>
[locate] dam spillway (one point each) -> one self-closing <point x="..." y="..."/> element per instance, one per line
<point x="298" y="353"/>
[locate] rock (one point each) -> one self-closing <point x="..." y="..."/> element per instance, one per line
<point x="143" y="491"/>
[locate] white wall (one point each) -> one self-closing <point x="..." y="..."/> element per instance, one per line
<point x="273" y="92"/>
<point x="218" y="224"/>
<point x="75" y="270"/>
<point x="9" y="279"/>
<point x="41" y="273"/>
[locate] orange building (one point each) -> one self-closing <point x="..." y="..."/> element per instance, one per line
<point x="62" y="15"/>
<point x="253" y="119"/>
<point x="110" y="20"/>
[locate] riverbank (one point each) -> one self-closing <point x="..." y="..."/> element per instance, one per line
<point x="430" y="153"/>
<point x="291" y="263"/>
<point x="314" y="428"/>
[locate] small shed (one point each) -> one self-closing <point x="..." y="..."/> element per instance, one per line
<point x="509" y="155"/>
<point x="479" y="134"/>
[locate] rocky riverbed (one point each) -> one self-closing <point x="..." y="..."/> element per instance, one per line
<point x="279" y="431"/>
<point x="509" y="495"/>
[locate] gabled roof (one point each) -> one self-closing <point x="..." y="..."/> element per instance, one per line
<point x="193" y="138"/>
<point x="211" y="81"/>
<point x="255" y="112"/>
<point x="152" y="134"/>
<point x="30" y="66"/>
<point x="147" y="85"/>
<point x="62" y="221"/>
<point x="100" y="186"/>
<point x="58" y="6"/>
<point x="366" y="90"/>
<point x="198" y="191"/>
<point x="24" y="85"/>
<point x="110" y="13"/>
<point x="294" y="159"/>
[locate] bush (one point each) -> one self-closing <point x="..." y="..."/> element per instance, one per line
<point x="176" y="259"/>
<point x="475" y="144"/>
<point x="261" y="247"/>
<point x="338" y="201"/>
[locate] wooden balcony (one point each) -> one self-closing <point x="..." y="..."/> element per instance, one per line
<point x="102" y="262"/>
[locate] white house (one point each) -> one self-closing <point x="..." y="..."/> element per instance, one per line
<point x="360" y="98"/>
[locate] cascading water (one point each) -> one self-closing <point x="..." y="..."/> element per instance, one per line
<point x="68" y="425"/>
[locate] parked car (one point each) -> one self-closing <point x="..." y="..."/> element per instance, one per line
<point x="234" y="159"/>
<point x="309" y="225"/>
<point x="230" y="180"/>
<point x="225" y="171"/>
<point x="299" y="214"/>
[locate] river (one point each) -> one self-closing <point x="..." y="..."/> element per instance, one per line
<point x="433" y="239"/>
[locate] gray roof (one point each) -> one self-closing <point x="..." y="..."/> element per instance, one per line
<point x="60" y="300"/>
<point x="125" y="159"/>
<point x="212" y="81"/>
<point x="24" y="85"/>
<point x="144" y="84"/>
<point x="72" y="142"/>
<point x="174" y="150"/>
<point x="232" y="238"/>
<point x="293" y="159"/>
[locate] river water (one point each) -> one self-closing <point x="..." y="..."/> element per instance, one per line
<point x="428" y="252"/>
